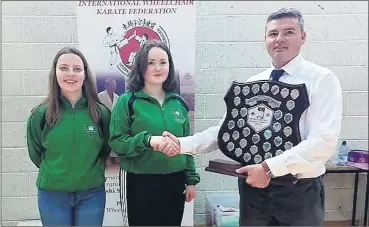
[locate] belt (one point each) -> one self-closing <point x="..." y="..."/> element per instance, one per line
<point x="289" y="180"/>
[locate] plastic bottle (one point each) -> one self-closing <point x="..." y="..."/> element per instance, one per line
<point x="343" y="154"/>
<point x="334" y="159"/>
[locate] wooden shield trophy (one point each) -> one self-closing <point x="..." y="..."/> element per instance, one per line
<point x="262" y="121"/>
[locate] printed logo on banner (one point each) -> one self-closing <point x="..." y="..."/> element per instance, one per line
<point x="123" y="48"/>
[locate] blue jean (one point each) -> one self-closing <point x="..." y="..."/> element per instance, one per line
<point x="84" y="208"/>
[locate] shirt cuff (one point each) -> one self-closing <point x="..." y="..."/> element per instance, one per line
<point x="146" y="140"/>
<point x="185" y="145"/>
<point x="277" y="165"/>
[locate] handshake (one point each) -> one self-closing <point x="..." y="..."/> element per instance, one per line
<point x="167" y="143"/>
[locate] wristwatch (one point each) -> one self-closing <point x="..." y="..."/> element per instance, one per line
<point x="270" y="174"/>
<point x="267" y="170"/>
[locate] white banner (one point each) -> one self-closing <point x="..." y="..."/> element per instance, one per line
<point x="109" y="35"/>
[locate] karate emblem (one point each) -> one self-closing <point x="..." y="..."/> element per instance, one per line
<point x="124" y="46"/>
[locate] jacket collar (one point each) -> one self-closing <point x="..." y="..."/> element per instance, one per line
<point x="65" y="102"/>
<point x="142" y="94"/>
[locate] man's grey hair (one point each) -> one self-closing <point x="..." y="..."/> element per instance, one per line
<point x="288" y="12"/>
<point x="108" y="80"/>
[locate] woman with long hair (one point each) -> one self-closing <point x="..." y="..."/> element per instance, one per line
<point x="157" y="185"/>
<point x="67" y="139"/>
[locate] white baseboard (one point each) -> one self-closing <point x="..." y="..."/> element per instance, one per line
<point x="30" y="223"/>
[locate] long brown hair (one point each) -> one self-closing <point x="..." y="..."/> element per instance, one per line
<point x="53" y="112"/>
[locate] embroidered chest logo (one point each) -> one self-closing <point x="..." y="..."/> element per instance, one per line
<point x="90" y="130"/>
<point x="177" y="114"/>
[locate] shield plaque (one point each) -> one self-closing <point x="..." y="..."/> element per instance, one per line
<point x="262" y="120"/>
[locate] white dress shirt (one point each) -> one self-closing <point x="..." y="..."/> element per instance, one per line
<point x="320" y="123"/>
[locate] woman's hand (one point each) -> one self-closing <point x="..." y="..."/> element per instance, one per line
<point x="190" y="193"/>
<point x="157" y="142"/>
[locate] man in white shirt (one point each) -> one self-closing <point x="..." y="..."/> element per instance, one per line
<point x="262" y="202"/>
<point x="108" y="97"/>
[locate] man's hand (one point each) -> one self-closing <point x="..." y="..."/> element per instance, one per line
<point x="166" y="148"/>
<point x="257" y="176"/>
<point x="190" y="193"/>
<point x="157" y="142"/>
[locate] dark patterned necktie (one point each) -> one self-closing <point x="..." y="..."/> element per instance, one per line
<point x="286" y="180"/>
<point x="276" y="74"/>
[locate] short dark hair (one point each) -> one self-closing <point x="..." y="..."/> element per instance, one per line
<point x="288" y="12"/>
<point x="108" y="29"/>
<point x="136" y="77"/>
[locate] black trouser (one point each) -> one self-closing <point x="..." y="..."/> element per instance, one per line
<point x="277" y="205"/>
<point x="155" y="199"/>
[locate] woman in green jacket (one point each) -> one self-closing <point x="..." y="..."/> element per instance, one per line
<point x="157" y="186"/>
<point x="67" y="139"/>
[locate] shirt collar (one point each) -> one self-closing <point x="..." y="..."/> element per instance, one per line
<point x="292" y="65"/>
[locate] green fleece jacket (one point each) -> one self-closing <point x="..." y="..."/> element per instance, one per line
<point x="71" y="154"/>
<point x="130" y="139"/>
